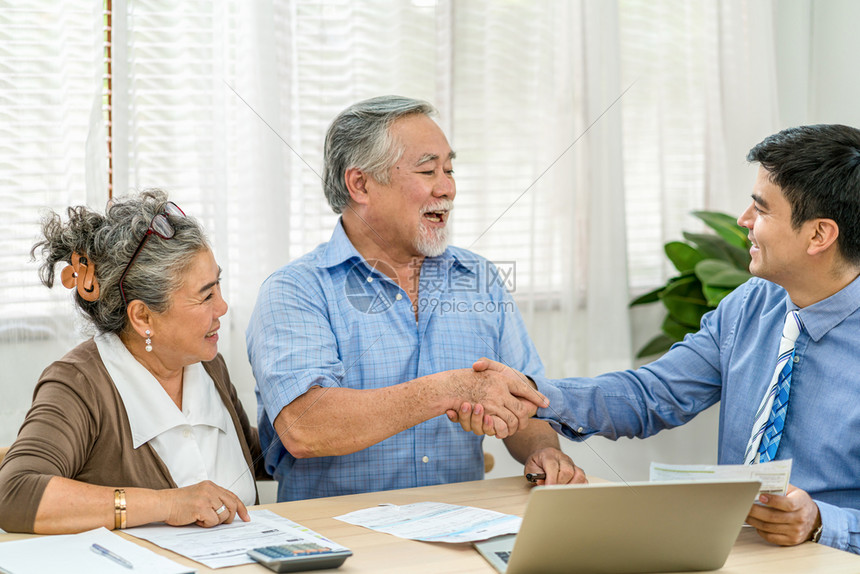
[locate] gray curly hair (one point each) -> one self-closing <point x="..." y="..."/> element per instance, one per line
<point x="359" y="137"/>
<point x="109" y="242"/>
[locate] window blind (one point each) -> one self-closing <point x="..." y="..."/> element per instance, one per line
<point x="50" y="112"/>
<point x="664" y="48"/>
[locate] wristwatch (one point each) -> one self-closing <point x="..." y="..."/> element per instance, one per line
<point x="816" y="536"/>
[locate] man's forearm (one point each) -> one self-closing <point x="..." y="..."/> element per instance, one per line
<point x="336" y="421"/>
<point x="537" y="435"/>
<point x="333" y="421"/>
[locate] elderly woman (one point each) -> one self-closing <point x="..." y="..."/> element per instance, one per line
<point x="139" y="424"/>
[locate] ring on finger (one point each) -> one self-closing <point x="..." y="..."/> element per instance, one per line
<point x="221" y="509"/>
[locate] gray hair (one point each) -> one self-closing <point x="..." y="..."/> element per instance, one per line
<point x="109" y="241"/>
<point x="359" y="137"/>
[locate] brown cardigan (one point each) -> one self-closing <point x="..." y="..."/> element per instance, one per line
<point x="78" y="428"/>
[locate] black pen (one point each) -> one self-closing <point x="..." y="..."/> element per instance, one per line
<point x="535" y="476"/>
<point x="102" y="551"/>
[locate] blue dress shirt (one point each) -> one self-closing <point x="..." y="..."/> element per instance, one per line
<point x="329" y="319"/>
<point x="731" y="360"/>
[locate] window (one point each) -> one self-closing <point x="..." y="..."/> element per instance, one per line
<point x="224" y="104"/>
<point x="52" y="123"/>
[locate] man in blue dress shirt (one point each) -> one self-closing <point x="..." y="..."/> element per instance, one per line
<point x="360" y="346"/>
<point x="804" y="225"/>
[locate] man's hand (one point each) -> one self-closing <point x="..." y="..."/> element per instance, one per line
<point x="485" y="364"/>
<point x="474" y="417"/>
<point x="785" y="520"/>
<point x="504" y="399"/>
<point x="557" y="466"/>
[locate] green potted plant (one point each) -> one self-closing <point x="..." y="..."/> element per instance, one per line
<point x="709" y="266"/>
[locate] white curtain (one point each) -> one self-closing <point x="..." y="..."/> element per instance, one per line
<point x="227" y="104"/>
<point x="52" y="154"/>
<point x="705" y="93"/>
<point x="585" y="131"/>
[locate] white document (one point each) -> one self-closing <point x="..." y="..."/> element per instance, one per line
<point x="72" y="554"/>
<point x="774" y="475"/>
<point x="228" y="544"/>
<point x="435" y="522"/>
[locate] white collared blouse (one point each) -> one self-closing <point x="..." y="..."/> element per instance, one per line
<point x="196" y="443"/>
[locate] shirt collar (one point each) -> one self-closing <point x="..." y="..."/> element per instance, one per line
<point x="462" y="259"/>
<point x="820" y="317"/>
<point x="340" y="249"/>
<point x="150" y="410"/>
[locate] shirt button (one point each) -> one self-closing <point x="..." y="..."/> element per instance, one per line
<point x="425" y="458"/>
<point x="796" y="359"/>
<point x="579" y="430"/>
<point x="399" y="296"/>
<point x="370" y="279"/>
<point x="186" y="433"/>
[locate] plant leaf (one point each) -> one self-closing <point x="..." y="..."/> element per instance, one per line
<point x="684" y="275"/>
<point x="685" y="301"/>
<point x="714" y="273"/>
<point x="726" y="227"/>
<point x="711" y="246"/>
<point x="710" y="266"/>
<point x="675" y="330"/>
<point x="659" y="344"/>
<point x="654" y="295"/>
<point x="714" y="247"/>
<point x="682" y="255"/>
<point x="649" y="297"/>
<point x="715" y="294"/>
<point x="688" y="286"/>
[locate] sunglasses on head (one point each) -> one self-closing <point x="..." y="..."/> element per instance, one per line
<point x="160" y="226"/>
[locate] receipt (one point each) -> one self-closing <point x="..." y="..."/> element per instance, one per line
<point x="435" y="521"/>
<point x="774" y="475"/>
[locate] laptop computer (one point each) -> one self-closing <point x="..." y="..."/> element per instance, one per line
<point x="625" y="528"/>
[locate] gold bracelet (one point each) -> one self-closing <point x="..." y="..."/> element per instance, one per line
<point x="119" y="508"/>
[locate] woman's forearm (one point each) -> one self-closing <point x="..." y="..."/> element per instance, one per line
<point x="72" y="506"/>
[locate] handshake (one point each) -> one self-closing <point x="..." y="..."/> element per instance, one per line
<point x="494" y="399"/>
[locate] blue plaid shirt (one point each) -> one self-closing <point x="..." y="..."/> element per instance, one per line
<point x="328" y="319"/>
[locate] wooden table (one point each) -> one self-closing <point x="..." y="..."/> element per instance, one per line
<point x="377" y="552"/>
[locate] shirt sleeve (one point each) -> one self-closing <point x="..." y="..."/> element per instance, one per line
<point x="291" y="345"/>
<point x="54" y="440"/>
<point x="639" y="403"/>
<point x="841" y="527"/>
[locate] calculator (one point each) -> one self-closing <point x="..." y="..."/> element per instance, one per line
<point x="299" y="557"/>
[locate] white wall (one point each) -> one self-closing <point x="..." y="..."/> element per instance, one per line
<point x="834" y="92"/>
<point x="21" y="365"/>
<point x="818" y="48"/>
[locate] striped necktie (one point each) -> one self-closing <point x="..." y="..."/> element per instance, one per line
<point x="770" y="417"/>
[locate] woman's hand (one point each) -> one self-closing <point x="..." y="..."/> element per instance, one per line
<point x="200" y="503"/>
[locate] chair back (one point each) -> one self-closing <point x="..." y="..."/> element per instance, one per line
<point x="489" y="462"/>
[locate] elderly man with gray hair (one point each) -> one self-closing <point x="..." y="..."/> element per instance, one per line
<point x="361" y="346"/>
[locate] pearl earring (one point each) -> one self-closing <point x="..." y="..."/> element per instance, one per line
<point x="148" y="341"/>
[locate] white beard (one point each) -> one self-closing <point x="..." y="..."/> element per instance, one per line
<point x="431" y="242"/>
